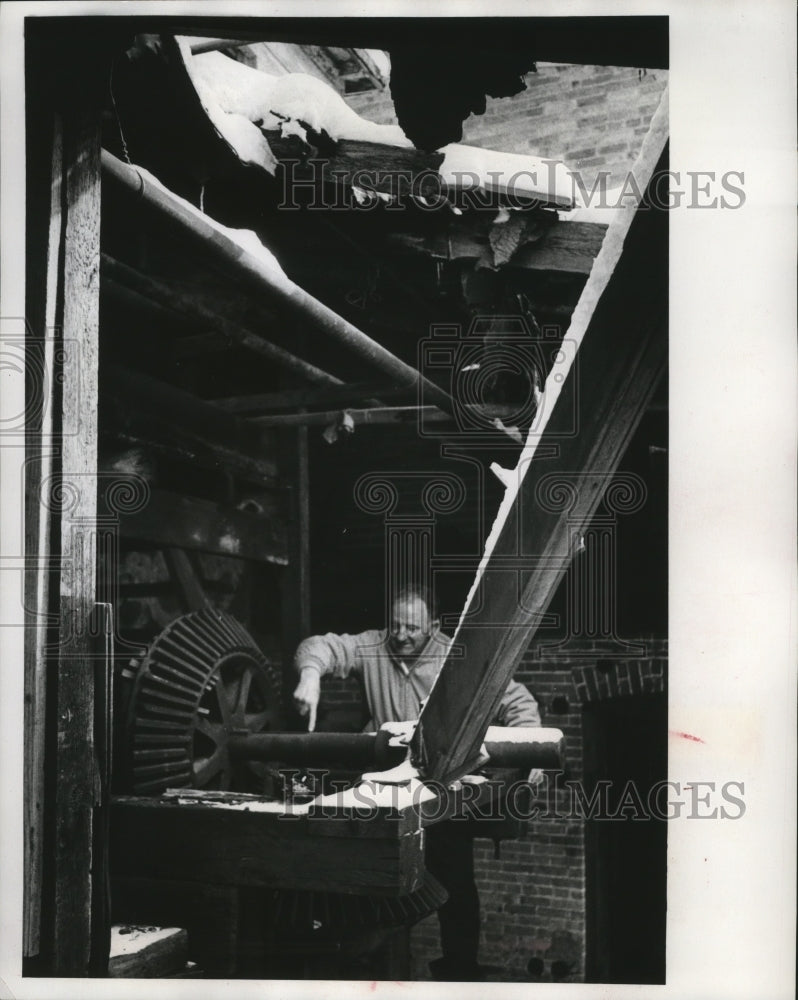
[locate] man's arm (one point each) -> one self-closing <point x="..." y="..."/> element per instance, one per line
<point x="518" y="707"/>
<point x="319" y="655"/>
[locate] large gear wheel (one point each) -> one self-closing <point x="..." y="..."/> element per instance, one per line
<point x="202" y="681"/>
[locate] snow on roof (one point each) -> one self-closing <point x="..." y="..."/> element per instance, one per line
<point x="238" y="99"/>
<point x="233" y="93"/>
<point x="466" y="167"/>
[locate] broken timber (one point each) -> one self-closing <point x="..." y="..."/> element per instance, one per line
<point x="569" y="247"/>
<point x="620" y="326"/>
<point x="394" y="172"/>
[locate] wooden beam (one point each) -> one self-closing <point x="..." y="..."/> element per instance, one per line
<point x="153" y="410"/>
<point x="569" y="247"/>
<point x="290" y="399"/>
<point x="44" y="240"/>
<point x="171" y="520"/>
<point x="405" y="173"/>
<point x="74" y="768"/>
<point x="620" y="326"/>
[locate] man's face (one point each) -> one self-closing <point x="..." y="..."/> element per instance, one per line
<point x="409" y="628"/>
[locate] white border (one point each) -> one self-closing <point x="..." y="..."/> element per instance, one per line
<point x="731" y="912"/>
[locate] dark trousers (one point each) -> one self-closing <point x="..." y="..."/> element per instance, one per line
<point x="449" y="857"/>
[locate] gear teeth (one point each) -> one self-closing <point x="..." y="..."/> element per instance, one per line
<point x="179" y="669"/>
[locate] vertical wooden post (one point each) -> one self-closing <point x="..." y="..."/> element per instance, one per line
<point x="42" y="293"/>
<point x="74" y="766"/>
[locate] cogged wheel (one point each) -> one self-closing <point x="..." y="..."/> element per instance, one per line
<point x="202" y="681"/>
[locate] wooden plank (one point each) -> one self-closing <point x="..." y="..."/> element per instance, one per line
<point x="41" y="300"/>
<point x="146" y="952"/>
<point x="169" y="519"/>
<point x="566" y="247"/>
<point x="153" y="838"/>
<point x="74" y="766"/>
<point x="620" y="325"/>
<point x="153" y="410"/>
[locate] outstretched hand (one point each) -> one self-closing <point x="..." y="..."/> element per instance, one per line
<point x="306" y="696"/>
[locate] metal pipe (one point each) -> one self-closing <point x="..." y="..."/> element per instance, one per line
<point x="356" y="750"/>
<point x="271" y="282"/>
<point x="505" y="747"/>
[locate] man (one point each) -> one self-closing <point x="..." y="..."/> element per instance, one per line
<point x="397" y="667"/>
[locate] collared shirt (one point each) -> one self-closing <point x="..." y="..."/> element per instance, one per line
<point x="395" y="689"/>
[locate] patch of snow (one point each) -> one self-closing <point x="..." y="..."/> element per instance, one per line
<point x="402" y="774"/>
<point x="521" y="734"/>
<point x="260" y="97"/>
<point x="129" y="939"/>
<point x="293" y="128"/>
<point x="468" y="167"/>
<point x="504" y="476"/>
<point x="307" y="99"/>
<point x="375" y="794"/>
<point x="228" y="114"/>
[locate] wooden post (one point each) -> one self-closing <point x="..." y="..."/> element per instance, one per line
<point x="41" y="294"/>
<point x="73" y="766"/>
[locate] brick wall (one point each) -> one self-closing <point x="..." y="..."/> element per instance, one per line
<point x="592" y="117"/>
<point x="533" y="896"/>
